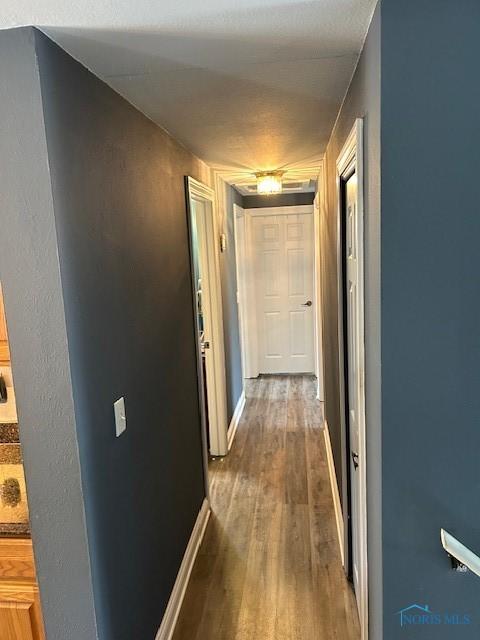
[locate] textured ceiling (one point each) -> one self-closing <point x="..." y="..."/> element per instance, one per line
<point x="246" y="85"/>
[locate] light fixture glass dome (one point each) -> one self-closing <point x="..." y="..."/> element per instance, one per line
<point x="269" y="182"/>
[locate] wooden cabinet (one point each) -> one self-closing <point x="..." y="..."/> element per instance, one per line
<point x="20" y="612"/>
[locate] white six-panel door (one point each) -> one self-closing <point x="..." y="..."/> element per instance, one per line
<point x="350" y="179"/>
<point x="283" y="258"/>
<point x="353" y="368"/>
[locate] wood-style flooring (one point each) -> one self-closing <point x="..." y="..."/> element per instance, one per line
<point x="269" y="567"/>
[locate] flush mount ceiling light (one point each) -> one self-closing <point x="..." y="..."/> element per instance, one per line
<point x="269" y="182"/>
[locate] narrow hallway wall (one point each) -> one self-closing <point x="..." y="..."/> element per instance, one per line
<point x="361" y="101"/>
<point x="31" y="283"/>
<point x="231" y="328"/>
<point x="430" y="310"/>
<point x="120" y="244"/>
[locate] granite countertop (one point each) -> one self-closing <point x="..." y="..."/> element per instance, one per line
<point x="13" y="502"/>
<point x="9" y="433"/>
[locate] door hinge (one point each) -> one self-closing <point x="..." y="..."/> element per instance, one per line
<point x="355" y="460"/>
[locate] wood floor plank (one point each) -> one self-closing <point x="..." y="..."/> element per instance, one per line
<point x="296" y="491"/>
<point x="269" y="566"/>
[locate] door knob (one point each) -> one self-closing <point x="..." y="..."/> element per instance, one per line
<point x="355" y="459"/>
<point x="308" y="303"/>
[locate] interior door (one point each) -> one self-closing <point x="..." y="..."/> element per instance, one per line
<point x="202" y="298"/>
<point x="208" y="316"/>
<point x="284" y="271"/>
<point x="353" y="368"/>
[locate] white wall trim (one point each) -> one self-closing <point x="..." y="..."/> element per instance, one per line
<point x="237" y="414"/>
<point x="318" y="207"/>
<point x="240" y="234"/>
<point x="246" y="282"/>
<point x="179" y="588"/>
<point x="335" y="493"/>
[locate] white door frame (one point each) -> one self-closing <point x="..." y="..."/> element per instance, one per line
<point x="317" y="215"/>
<point x="215" y="365"/>
<point x="247" y="283"/>
<point x="239" y="222"/>
<point x="350" y="157"/>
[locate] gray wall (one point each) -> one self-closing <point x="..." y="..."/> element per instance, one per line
<point x="117" y="182"/>
<point x="430" y="306"/>
<point x="278" y="200"/>
<point x="30" y="275"/>
<point x="233" y="357"/>
<point x="362" y="100"/>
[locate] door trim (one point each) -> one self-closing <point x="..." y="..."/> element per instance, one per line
<point x="247" y="298"/>
<point x="319" y="205"/>
<point x="351" y="158"/>
<point x="243" y="296"/>
<point x="215" y="366"/>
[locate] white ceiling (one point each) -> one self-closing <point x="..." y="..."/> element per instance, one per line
<point x="246" y="85"/>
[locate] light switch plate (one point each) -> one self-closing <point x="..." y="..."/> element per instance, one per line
<point x="120" y="416"/>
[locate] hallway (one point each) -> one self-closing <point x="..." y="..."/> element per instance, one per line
<point x="269" y="566"/>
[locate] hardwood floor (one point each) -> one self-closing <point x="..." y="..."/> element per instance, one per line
<point x="269" y="567"/>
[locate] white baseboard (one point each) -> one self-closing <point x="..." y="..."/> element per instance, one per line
<point x="178" y="592"/>
<point x="336" y="495"/>
<point x="237" y="414"/>
<point x="320" y="397"/>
